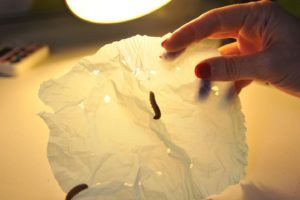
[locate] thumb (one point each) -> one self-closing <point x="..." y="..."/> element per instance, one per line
<point x="232" y="68"/>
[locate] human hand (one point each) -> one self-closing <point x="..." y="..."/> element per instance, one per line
<point x="267" y="46"/>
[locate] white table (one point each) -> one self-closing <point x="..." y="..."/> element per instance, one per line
<point x="273" y="122"/>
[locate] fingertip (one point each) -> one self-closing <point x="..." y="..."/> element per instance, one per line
<point x="178" y="40"/>
<point x="168" y="44"/>
<point x="203" y="70"/>
<point x="163" y="43"/>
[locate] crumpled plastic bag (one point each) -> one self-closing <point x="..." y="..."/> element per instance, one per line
<point x="102" y="131"/>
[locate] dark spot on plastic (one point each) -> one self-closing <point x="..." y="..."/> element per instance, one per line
<point x="205" y="88"/>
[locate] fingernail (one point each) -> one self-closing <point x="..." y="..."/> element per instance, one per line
<point x="164" y="43"/>
<point x="202" y="70"/>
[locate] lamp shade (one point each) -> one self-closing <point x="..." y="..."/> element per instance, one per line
<point x="113" y="11"/>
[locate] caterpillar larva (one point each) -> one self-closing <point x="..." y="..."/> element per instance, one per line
<point x="154" y="106"/>
<point x="75" y="190"/>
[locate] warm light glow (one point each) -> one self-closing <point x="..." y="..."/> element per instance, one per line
<point x="81" y="105"/>
<point x="152" y="71"/>
<point x="96" y="72"/>
<point x="216" y="90"/>
<point x="107" y="98"/>
<point x="113" y="11"/>
<point x="159" y="173"/>
<point x="168" y="150"/>
<point x="128" y="184"/>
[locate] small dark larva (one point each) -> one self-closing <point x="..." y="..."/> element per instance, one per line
<point x="75" y="190"/>
<point x="154" y="106"/>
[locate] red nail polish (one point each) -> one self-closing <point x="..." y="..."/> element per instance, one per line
<point x="164" y="43"/>
<point x="202" y="70"/>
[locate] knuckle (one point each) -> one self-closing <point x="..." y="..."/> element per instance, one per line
<point x="231" y="69"/>
<point x="265" y="3"/>
<point x="266" y="70"/>
<point x="224" y="69"/>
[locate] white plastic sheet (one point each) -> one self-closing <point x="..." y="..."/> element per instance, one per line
<point x="102" y="130"/>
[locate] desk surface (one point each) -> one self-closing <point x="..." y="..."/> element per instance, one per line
<point x="272" y="119"/>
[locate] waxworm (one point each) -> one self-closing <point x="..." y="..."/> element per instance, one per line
<point x="157" y="113"/>
<point x="75" y="190"/>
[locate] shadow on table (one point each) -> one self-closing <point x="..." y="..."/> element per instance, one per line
<point x="251" y="191"/>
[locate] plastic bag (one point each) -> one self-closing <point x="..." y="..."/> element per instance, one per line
<point x="103" y="132"/>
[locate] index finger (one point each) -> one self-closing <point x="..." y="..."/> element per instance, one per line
<point x="217" y="23"/>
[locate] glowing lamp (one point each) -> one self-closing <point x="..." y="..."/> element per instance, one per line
<point x="113" y="11"/>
